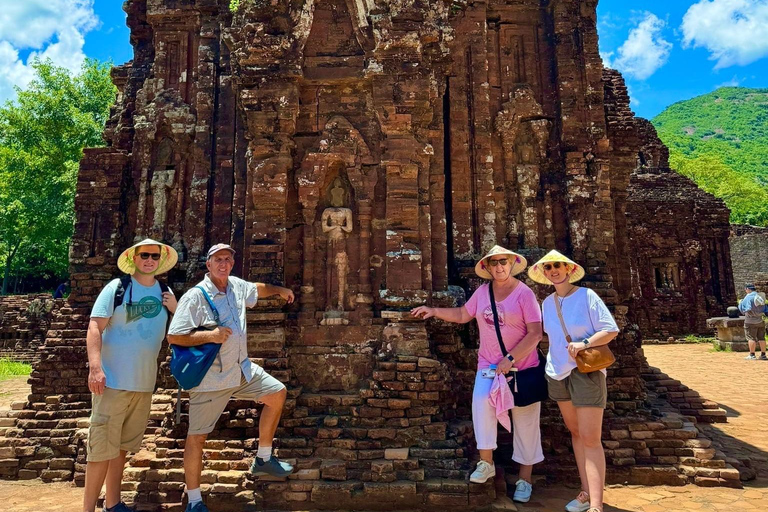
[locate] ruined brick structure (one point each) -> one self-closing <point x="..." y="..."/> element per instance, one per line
<point x="363" y="153"/>
<point x="749" y="247"/>
<point x="24" y="322"/>
<point x="679" y="254"/>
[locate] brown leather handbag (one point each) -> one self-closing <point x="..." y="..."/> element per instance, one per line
<point x="590" y="359"/>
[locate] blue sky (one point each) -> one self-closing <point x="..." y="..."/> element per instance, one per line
<point x="668" y="51"/>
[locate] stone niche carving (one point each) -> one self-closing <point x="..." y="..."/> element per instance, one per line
<point x="337" y="229"/>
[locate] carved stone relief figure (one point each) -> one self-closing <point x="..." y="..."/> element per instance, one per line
<point x="524" y="135"/>
<point x="337" y="224"/>
<point x="163" y="177"/>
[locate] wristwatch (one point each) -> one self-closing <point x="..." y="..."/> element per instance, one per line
<point x="510" y="358"/>
<point x="585" y="341"/>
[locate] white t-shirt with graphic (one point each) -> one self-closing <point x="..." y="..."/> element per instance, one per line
<point x="132" y="339"/>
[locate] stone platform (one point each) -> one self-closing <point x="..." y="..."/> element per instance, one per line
<point x="729" y="333"/>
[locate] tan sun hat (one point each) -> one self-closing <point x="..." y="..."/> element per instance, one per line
<point x="168" y="257"/>
<point x="536" y="272"/>
<point x="518" y="262"/>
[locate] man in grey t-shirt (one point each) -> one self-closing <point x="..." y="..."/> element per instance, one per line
<point x="123" y="342"/>
<point x="232" y="374"/>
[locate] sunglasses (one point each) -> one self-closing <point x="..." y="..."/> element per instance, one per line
<point x="550" y="266"/>
<point x="146" y="255"/>
<point x="503" y="262"/>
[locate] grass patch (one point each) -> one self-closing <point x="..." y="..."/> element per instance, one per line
<point x="719" y="348"/>
<point x="10" y="369"/>
<point x="692" y="338"/>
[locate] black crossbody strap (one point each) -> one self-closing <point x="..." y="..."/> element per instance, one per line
<point x="496" y="320"/>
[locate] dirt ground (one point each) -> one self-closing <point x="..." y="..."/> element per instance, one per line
<point x="738" y="385"/>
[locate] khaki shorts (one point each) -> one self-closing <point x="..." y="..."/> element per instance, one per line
<point x="118" y="421"/>
<point x="205" y="407"/>
<point x="583" y="389"/>
<point x="754" y="332"/>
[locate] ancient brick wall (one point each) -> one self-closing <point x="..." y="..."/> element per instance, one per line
<point x="678" y="249"/>
<point x="364" y="154"/>
<point x="24" y="321"/>
<point x="749" y="247"/>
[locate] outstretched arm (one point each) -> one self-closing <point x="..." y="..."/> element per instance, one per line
<point x="458" y="315"/>
<point x="267" y="290"/>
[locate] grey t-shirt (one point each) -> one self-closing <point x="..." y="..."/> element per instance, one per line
<point x="134" y="334"/>
<point x="193" y="312"/>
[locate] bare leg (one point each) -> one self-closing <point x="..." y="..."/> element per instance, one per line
<point x="572" y="422"/>
<point x="751" y="346"/>
<point x="115" y="479"/>
<point x="487" y="456"/>
<point x="95" y="473"/>
<point x="526" y="471"/>
<point x="270" y="416"/>
<point x="590" y="427"/>
<point x="193" y="460"/>
<point x="762" y="346"/>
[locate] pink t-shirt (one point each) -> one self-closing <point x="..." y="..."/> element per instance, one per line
<point x="518" y="309"/>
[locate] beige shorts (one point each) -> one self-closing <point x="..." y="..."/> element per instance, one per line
<point x="583" y="389"/>
<point x="754" y="332"/>
<point x="205" y="407"/>
<point x="118" y="421"/>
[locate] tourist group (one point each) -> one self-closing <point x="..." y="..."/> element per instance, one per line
<point x="206" y="330"/>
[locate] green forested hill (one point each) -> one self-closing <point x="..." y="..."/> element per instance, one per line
<point x="720" y="140"/>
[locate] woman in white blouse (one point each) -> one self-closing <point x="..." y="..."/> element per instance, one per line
<point x="580" y="396"/>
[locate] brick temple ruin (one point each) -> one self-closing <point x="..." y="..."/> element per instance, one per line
<point x="365" y="153"/>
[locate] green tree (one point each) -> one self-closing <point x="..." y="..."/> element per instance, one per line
<point x="42" y="136"/>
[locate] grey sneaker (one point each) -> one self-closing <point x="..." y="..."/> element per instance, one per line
<point x="120" y="507"/>
<point x="271" y="467"/>
<point x="763" y="357"/>
<point x="197" y="507"/>
<point x="751" y="357"/>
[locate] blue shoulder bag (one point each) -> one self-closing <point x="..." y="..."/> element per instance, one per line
<point x="190" y="364"/>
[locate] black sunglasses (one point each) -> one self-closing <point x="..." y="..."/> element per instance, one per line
<point x="550" y="266"/>
<point x="146" y="255"/>
<point x="503" y="262"/>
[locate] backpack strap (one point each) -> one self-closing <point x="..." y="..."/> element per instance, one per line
<point x="122" y="286"/>
<point x="210" y="303"/>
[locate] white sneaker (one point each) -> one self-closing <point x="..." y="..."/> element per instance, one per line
<point x="523" y="491"/>
<point x="482" y="472"/>
<point x="578" y="504"/>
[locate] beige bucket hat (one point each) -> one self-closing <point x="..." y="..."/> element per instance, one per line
<point x="168" y="257"/>
<point x="536" y="272"/>
<point x="518" y="262"/>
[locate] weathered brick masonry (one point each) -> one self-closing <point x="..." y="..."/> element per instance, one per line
<point x="678" y="251"/>
<point x="749" y="247"/>
<point x="24" y="322"/>
<point x="363" y="153"/>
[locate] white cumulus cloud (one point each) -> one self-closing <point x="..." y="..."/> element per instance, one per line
<point x="43" y="29"/>
<point x="734" y="32"/>
<point x="644" y="51"/>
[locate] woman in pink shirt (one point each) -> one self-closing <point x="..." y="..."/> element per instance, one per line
<point x="520" y="324"/>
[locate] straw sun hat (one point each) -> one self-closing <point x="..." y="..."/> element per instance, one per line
<point x="168" y="257"/>
<point x="536" y="272"/>
<point x="518" y="262"/>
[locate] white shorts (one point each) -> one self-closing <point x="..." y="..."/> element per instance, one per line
<point x="526" y="444"/>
